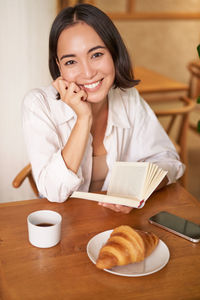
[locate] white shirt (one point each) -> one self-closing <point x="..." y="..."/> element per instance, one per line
<point x="133" y="133"/>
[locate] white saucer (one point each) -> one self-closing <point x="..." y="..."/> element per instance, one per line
<point x="153" y="263"/>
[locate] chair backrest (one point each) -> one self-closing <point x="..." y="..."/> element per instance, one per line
<point x="176" y="123"/>
<point x="25" y="173"/>
<point x="194" y="82"/>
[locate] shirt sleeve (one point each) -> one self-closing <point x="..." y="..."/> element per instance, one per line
<point x="53" y="179"/>
<point x="153" y="143"/>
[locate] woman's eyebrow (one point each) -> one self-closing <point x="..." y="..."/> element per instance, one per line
<point x="95" y="48"/>
<point x="90" y="50"/>
<point x="67" y="55"/>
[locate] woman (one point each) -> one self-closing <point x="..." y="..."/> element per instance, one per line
<point x="91" y="115"/>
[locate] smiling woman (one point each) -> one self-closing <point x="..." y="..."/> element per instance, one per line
<point x="91" y="115"/>
<point x="86" y="61"/>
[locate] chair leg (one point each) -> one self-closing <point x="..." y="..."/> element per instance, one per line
<point x="182" y="140"/>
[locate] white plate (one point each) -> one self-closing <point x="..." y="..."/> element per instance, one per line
<point x="153" y="263"/>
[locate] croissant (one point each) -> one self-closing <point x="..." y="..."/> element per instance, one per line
<point x="126" y="245"/>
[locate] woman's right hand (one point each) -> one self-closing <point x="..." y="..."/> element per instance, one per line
<point x="75" y="97"/>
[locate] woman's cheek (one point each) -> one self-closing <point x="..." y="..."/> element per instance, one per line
<point x="69" y="76"/>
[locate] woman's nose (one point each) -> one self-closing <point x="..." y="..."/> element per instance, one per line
<point x="88" y="71"/>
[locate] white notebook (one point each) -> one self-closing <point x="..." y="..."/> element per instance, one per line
<point x="131" y="184"/>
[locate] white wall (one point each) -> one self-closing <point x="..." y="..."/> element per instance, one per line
<point x="24" y="30"/>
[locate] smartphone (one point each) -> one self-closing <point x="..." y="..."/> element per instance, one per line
<point x="177" y="225"/>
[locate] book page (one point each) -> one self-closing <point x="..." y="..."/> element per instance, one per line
<point x="150" y="175"/>
<point x="133" y="202"/>
<point x="128" y="179"/>
<point x="158" y="177"/>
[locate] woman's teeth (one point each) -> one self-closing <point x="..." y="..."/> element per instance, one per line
<point x="92" y="85"/>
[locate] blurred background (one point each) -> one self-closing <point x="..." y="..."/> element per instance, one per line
<point x="161" y="35"/>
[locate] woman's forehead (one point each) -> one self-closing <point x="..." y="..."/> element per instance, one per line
<point x="78" y="36"/>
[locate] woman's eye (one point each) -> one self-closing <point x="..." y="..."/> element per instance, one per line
<point x="97" y="54"/>
<point x="69" y="62"/>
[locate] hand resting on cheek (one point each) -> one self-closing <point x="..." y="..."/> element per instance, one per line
<point x="73" y="96"/>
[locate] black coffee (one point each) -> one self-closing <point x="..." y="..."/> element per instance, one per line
<point x="44" y="224"/>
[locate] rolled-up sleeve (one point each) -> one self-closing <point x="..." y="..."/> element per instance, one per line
<point x="44" y="144"/>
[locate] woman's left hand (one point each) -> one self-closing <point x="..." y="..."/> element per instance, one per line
<point x="116" y="207"/>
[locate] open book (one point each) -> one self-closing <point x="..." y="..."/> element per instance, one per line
<point x="131" y="184"/>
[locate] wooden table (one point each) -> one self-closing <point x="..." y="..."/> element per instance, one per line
<point x="65" y="271"/>
<point x="154" y="85"/>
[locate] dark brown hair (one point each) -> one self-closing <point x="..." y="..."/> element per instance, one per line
<point x="107" y="31"/>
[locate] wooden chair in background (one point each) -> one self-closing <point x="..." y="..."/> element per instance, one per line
<point x="176" y="124"/>
<point x="194" y="92"/>
<point x="25" y="173"/>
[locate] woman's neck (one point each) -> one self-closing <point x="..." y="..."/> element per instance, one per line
<point x="99" y="108"/>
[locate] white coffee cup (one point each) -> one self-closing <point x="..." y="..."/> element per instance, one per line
<point x="44" y="228"/>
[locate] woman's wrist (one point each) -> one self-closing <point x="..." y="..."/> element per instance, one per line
<point x="85" y="120"/>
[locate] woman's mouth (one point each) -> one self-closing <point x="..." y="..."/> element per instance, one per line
<point x="92" y="86"/>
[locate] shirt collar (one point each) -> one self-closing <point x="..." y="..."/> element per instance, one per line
<point x="117" y="115"/>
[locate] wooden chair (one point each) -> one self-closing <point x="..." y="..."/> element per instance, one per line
<point x="176" y="123"/>
<point x="194" y="92"/>
<point x="25" y="173"/>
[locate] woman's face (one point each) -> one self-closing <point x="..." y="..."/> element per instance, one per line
<point x="84" y="59"/>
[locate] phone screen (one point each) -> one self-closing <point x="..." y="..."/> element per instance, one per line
<point x="177" y="225"/>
